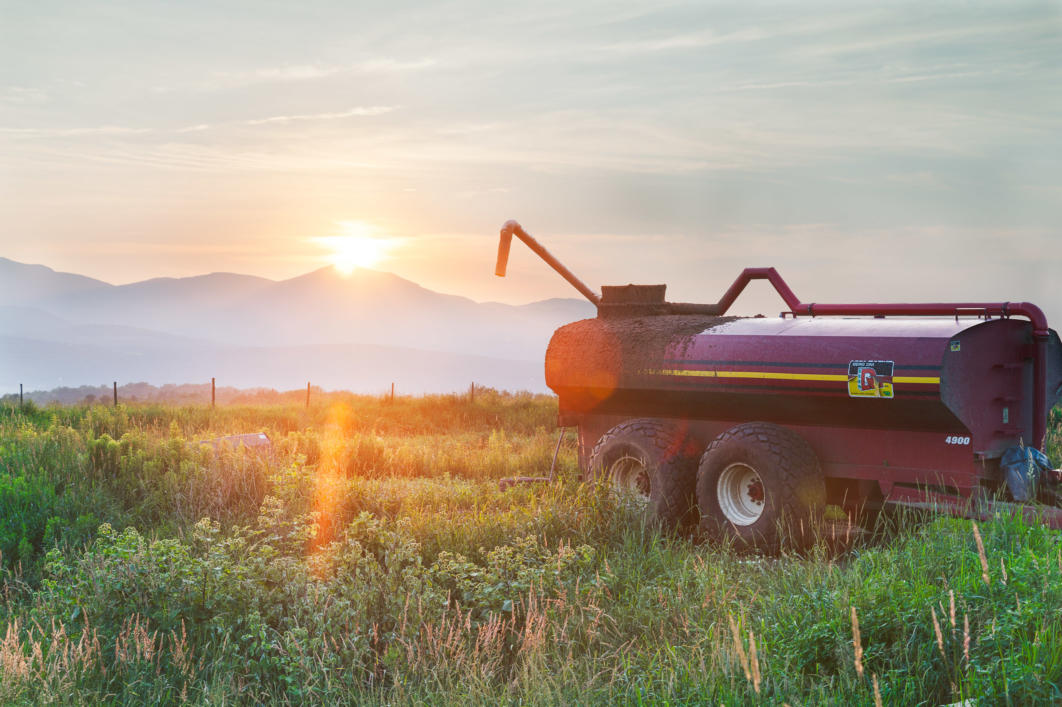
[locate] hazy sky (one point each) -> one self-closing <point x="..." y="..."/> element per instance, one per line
<point x="870" y="151"/>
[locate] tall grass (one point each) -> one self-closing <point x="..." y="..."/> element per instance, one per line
<point x="370" y="557"/>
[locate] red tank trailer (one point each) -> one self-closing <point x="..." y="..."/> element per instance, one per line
<point x="749" y="426"/>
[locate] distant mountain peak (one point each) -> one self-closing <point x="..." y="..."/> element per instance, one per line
<point x="358" y="279"/>
<point x="219" y="275"/>
<point x="26" y="284"/>
<point x="10" y="265"/>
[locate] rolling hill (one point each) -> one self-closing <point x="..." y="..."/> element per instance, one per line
<point x="359" y="332"/>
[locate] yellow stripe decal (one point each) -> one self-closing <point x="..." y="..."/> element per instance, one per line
<point x="916" y="379"/>
<point x="780" y="376"/>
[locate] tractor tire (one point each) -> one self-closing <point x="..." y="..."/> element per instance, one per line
<point x="759" y="487"/>
<point x="654" y="464"/>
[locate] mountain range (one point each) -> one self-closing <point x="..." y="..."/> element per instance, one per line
<point x="358" y="332"/>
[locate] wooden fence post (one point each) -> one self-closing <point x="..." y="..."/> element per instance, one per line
<point x="392" y="391"/>
<point x="115" y="393"/>
<point x="20" y="395"/>
<point x="472" y="392"/>
<point x="213" y="392"/>
<point x="307" y="395"/>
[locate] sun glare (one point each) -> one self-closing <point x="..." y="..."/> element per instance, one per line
<point x="350" y="252"/>
<point x="357" y="248"/>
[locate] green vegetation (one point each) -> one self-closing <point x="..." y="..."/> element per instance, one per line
<point x="370" y="557"/>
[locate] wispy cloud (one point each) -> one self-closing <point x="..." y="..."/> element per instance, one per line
<point x="685" y="41"/>
<point x="75" y="132"/>
<point x="887" y="76"/>
<point x="709" y="37"/>
<point x="928" y="37"/>
<point x="119" y="130"/>
<point x="387" y="65"/>
<point x="353" y="112"/>
<point x="490" y="191"/>
<point x="297" y="72"/>
<point x="311" y="72"/>
<point x="23" y="95"/>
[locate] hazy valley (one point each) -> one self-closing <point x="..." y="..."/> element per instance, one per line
<point x="358" y="332"/>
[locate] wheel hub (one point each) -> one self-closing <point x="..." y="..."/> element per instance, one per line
<point x="741" y="494"/>
<point x="630" y="476"/>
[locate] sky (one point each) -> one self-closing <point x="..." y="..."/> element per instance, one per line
<point x="869" y="151"/>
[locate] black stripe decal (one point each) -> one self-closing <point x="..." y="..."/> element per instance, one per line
<point x="830" y="390"/>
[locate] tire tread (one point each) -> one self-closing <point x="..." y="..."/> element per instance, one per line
<point x="792" y="461"/>
<point x="677" y="491"/>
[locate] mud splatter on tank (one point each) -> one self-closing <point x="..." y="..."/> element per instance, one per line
<point x="590" y="359"/>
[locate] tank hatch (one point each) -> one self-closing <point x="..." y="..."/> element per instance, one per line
<point x="632" y="301"/>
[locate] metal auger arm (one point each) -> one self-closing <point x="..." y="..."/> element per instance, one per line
<point x="512" y="228"/>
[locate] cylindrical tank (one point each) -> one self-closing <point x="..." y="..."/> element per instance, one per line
<point x="966" y="377"/>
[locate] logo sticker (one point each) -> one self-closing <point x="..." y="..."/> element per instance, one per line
<point x="870" y="379"/>
<point x="956" y="346"/>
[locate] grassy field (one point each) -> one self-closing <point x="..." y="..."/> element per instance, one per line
<point x="372" y="558"/>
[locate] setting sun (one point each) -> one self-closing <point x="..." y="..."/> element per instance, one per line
<point x="356" y="249"/>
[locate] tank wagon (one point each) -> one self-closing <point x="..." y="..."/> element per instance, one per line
<point x="750" y="425"/>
